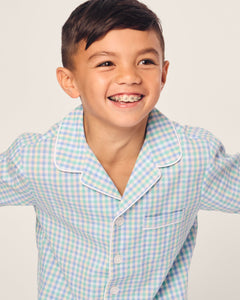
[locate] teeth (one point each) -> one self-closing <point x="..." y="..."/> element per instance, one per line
<point x="126" y="98"/>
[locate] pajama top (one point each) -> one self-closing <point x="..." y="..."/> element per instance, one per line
<point x="94" y="243"/>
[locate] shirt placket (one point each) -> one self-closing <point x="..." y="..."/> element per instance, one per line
<point x="116" y="260"/>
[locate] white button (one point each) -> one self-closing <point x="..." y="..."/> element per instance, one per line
<point x="118" y="259"/>
<point x="114" y="290"/>
<point x="120" y="221"/>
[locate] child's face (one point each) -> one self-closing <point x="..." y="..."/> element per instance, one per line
<point x="119" y="77"/>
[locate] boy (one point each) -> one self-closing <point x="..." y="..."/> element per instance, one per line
<point x="116" y="185"/>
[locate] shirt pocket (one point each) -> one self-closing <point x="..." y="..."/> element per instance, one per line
<point x="164" y="219"/>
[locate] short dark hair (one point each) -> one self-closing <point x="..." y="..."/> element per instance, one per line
<point x="93" y="19"/>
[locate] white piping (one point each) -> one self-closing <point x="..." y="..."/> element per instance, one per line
<point x="161" y="226"/>
<point x="100" y="191"/>
<point x="180" y="147"/>
<point x="110" y="273"/>
<point x="55" y="159"/>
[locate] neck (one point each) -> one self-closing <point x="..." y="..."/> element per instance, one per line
<point x="114" y="145"/>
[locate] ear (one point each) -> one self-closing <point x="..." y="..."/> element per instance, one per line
<point x="66" y="80"/>
<point x="164" y="73"/>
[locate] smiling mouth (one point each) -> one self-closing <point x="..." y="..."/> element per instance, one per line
<point x="126" y="98"/>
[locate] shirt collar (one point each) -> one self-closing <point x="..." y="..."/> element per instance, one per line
<point x="163" y="140"/>
<point x="71" y="146"/>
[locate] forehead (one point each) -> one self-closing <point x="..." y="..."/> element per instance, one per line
<point x="127" y="40"/>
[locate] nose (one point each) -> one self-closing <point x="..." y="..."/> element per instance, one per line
<point x="128" y="75"/>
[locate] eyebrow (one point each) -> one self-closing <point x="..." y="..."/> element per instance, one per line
<point x="149" y="50"/>
<point x="108" y="53"/>
<point x="102" y="53"/>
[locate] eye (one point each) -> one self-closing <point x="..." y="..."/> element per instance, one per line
<point x="147" y="62"/>
<point x="105" y="64"/>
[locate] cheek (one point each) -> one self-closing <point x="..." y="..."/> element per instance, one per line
<point x="93" y="90"/>
<point x="156" y="84"/>
<point x="97" y="85"/>
<point x="153" y="79"/>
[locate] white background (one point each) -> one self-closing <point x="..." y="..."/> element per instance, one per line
<point x="203" y="46"/>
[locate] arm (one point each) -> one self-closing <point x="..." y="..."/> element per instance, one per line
<point x="14" y="187"/>
<point x="221" y="188"/>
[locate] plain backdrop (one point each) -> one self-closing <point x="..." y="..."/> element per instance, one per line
<point x="202" y="45"/>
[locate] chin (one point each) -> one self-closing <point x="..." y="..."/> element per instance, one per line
<point x="130" y="123"/>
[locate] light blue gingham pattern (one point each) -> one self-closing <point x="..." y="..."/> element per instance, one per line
<point x="95" y="244"/>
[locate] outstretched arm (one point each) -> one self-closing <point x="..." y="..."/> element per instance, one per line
<point x="14" y="187"/>
<point x="221" y="188"/>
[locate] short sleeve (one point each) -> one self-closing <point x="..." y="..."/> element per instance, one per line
<point x="221" y="185"/>
<point x="14" y="187"/>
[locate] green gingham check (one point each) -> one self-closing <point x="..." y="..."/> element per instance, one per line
<point x="95" y="244"/>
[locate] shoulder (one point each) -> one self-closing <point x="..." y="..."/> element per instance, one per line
<point x="193" y="139"/>
<point x="197" y="134"/>
<point x="198" y="137"/>
<point x="28" y="141"/>
<point x="184" y="131"/>
<point x="24" y="142"/>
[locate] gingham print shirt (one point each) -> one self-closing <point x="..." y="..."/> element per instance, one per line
<point x="95" y="244"/>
